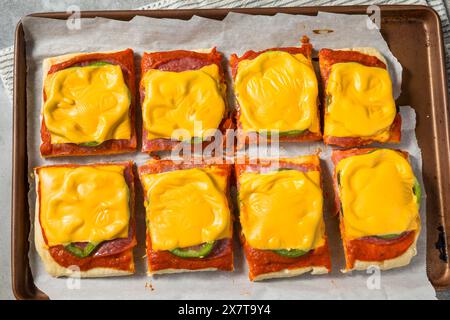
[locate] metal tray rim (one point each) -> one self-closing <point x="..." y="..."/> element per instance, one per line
<point x="440" y="283"/>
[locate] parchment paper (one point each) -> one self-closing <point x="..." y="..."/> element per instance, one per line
<point x="236" y="33"/>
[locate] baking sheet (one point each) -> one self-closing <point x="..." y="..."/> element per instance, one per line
<point x="236" y="33"/>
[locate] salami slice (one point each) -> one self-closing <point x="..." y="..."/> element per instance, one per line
<point x="183" y="64"/>
<point x="115" y="246"/>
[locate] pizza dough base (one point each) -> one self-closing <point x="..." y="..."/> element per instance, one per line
<point x="171" y="270"/>
<point x="286" y="273"/>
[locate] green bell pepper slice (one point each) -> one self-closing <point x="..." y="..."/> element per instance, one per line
<point x="89" y="144"/>
<point x="417" y="190"/>
<point x="81" y="252"/>
<point x="99" y="64"/>
<point x="201" y="252"/>
<point x="389" y="236"/>
<point x="292" y="253"/>
<point x="289" y="133"/>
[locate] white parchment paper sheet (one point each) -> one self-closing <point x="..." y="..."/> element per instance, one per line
<point x="236" y="33"/>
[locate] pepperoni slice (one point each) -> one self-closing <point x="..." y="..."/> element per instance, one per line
<point x="183" y="64"/>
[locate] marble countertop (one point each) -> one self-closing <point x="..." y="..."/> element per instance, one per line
<point x="10" y="14"/>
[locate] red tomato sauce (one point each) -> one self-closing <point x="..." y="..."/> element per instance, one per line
<point x="266" y="261"/>
<point x="221" y="258"/>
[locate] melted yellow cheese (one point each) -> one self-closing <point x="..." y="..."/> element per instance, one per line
<point x="83" y="204"/>
<point x="282" y="209"/>
<point x="359" y="102"/>
<point x="186" y="207"/>
<point x="87" y="104"/>
<point x="277" y="91"/>
<point x="189" y="100"/>
<point x="376" y="193"/>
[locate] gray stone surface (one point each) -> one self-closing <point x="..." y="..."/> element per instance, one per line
<point x="5" y="195"/>
<point x="10" y="14"/>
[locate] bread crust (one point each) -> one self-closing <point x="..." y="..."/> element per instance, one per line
<point x="288" y="273"/>
<point x="172" y="271"/>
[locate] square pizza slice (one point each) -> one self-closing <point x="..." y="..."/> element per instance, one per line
<point x="88" y="104"/>
<point x="183" y="98"/>
<point x="276" y="93"/>
<point x="358" y="104"/>
<point x="378" y="199"/>
<point x="281" y="215"/>
<point x="84" y="220"/>
<point x="188" y="216"/>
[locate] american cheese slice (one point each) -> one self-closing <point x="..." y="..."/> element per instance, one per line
<point x="87" y="104"/>
<point x="83" y="204"/>
<point x="277" y="91"/>
<point x="376" y="193"/>
<point x="359" y="102"/>
<point x="282" y="209"/>
<point x="190" y="102"/>
<point x="187" y="207"/>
